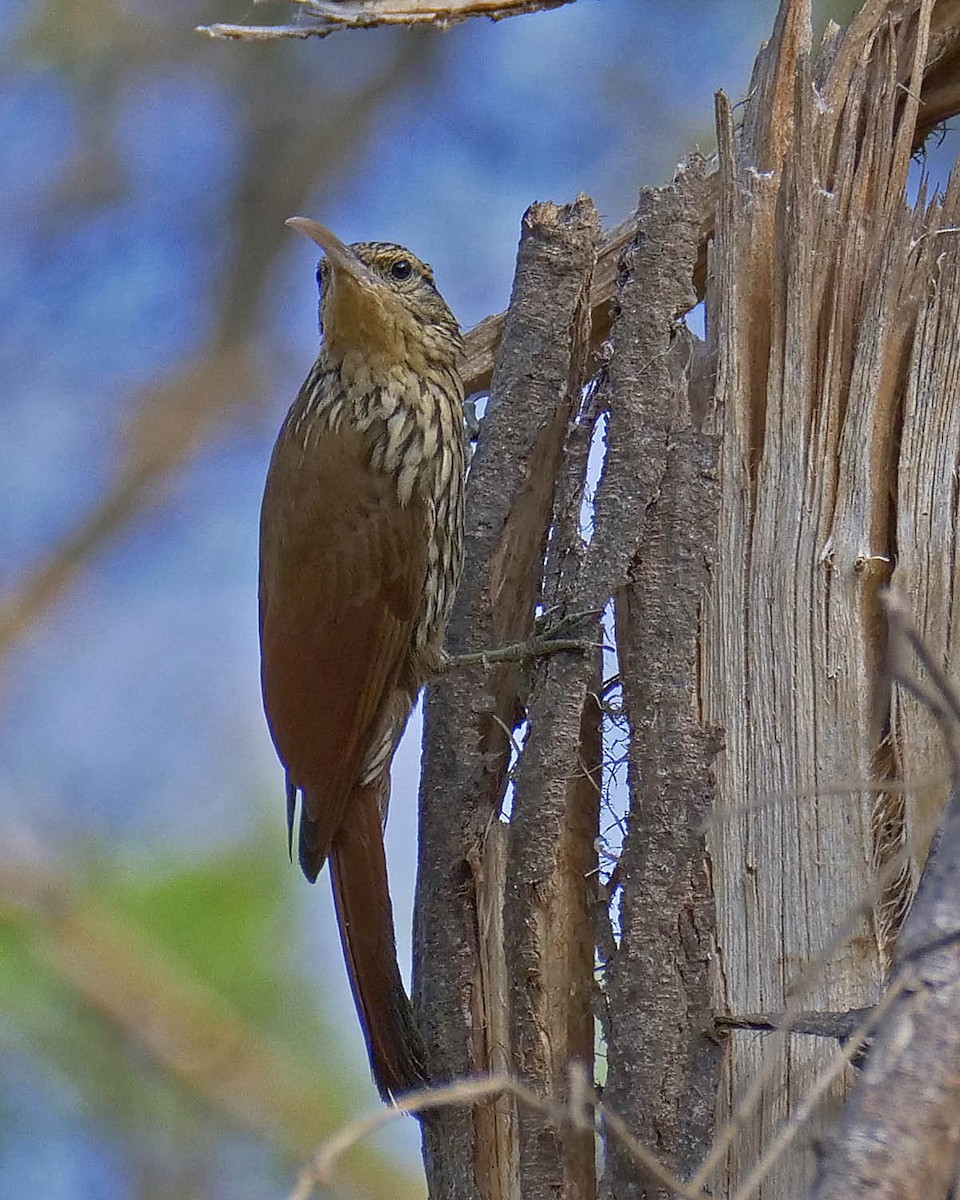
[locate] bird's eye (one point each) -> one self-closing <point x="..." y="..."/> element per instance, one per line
<point x="401" y="269"/>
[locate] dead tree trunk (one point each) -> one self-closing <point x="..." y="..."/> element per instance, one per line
<point x="757" y="492"/>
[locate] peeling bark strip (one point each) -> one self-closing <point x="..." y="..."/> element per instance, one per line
<point x="548" y="909"/>
<point x="655" y="529"/>
<point x="466" y="751"/>
<point x="640" y="387"/>
<point x="663" y="1055"/>
<point x="549" y="919"/>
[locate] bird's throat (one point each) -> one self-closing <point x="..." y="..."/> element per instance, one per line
<point x="360" y="320"/>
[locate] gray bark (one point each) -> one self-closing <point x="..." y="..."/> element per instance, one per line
<point x="460" y="979"/>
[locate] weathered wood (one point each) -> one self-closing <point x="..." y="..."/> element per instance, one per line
<point x="898" y="1137"/>
<point x="656" y="551"/>
<point x="928" y="528"/>
<point x="482" y="340"/>
<point x="469" y="715"/>
<point x="554" y="826"/>
<point x="816" y="280"/>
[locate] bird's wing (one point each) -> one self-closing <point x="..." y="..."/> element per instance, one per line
<point x="342" y="571"/>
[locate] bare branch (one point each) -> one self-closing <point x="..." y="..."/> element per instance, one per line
<point x="323" y="17"/>
<point x="576" y="1114"/>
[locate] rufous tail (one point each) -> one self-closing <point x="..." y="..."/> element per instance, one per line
<point x="358" y="871"/>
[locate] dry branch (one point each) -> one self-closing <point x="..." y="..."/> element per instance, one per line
<point x="578" y="1115"/>
<point x="323" y="17"/>
<point x="463" y="983"/>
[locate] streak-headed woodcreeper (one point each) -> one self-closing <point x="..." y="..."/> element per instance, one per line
<point x="361" y="537"/>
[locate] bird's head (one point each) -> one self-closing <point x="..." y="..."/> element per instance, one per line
<point x="378" y="303"/>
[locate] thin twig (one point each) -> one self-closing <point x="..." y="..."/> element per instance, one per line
<point x="792" y="1010"/>
<point x="842" y="788"/>
<point x="574" y="1114"/>
<point x="899" y="617"/>
<point x="519" y="652"/>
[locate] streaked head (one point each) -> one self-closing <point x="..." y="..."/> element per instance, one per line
<point x="379" y="300"/>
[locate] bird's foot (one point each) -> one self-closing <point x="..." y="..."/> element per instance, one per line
<point x="550" y="637"/>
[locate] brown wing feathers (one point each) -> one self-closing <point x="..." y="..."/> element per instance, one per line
<point x="339" y="591"/>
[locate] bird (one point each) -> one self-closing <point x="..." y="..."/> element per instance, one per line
<point x="361" y="545"/>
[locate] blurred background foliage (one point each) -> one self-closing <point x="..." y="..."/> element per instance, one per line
<point x="174" y="1018"/>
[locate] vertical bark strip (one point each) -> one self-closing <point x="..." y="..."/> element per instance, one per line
<point x="663" y="1067"/>
<point x="552" y="859"/>
<point x="466" y="746"/>
<point x="549" y="919"/>
<point x="664" y="1058"/>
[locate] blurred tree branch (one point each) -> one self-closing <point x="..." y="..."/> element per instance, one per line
<point x="323" y="17"/>
<point x="149" y="997"/>
<point x="174" y="419"/>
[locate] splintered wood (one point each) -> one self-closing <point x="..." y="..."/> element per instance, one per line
<point x="832" y="311"/>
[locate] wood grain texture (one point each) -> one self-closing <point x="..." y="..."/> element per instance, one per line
<point x="817" y="276"/>
<point x="898" y="1137"/>
<point x="928" y="525"/>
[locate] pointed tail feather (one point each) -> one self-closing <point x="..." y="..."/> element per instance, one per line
<point x="358" y="871"/>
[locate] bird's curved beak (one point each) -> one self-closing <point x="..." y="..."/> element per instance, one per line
<point x="339" y="253"/>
